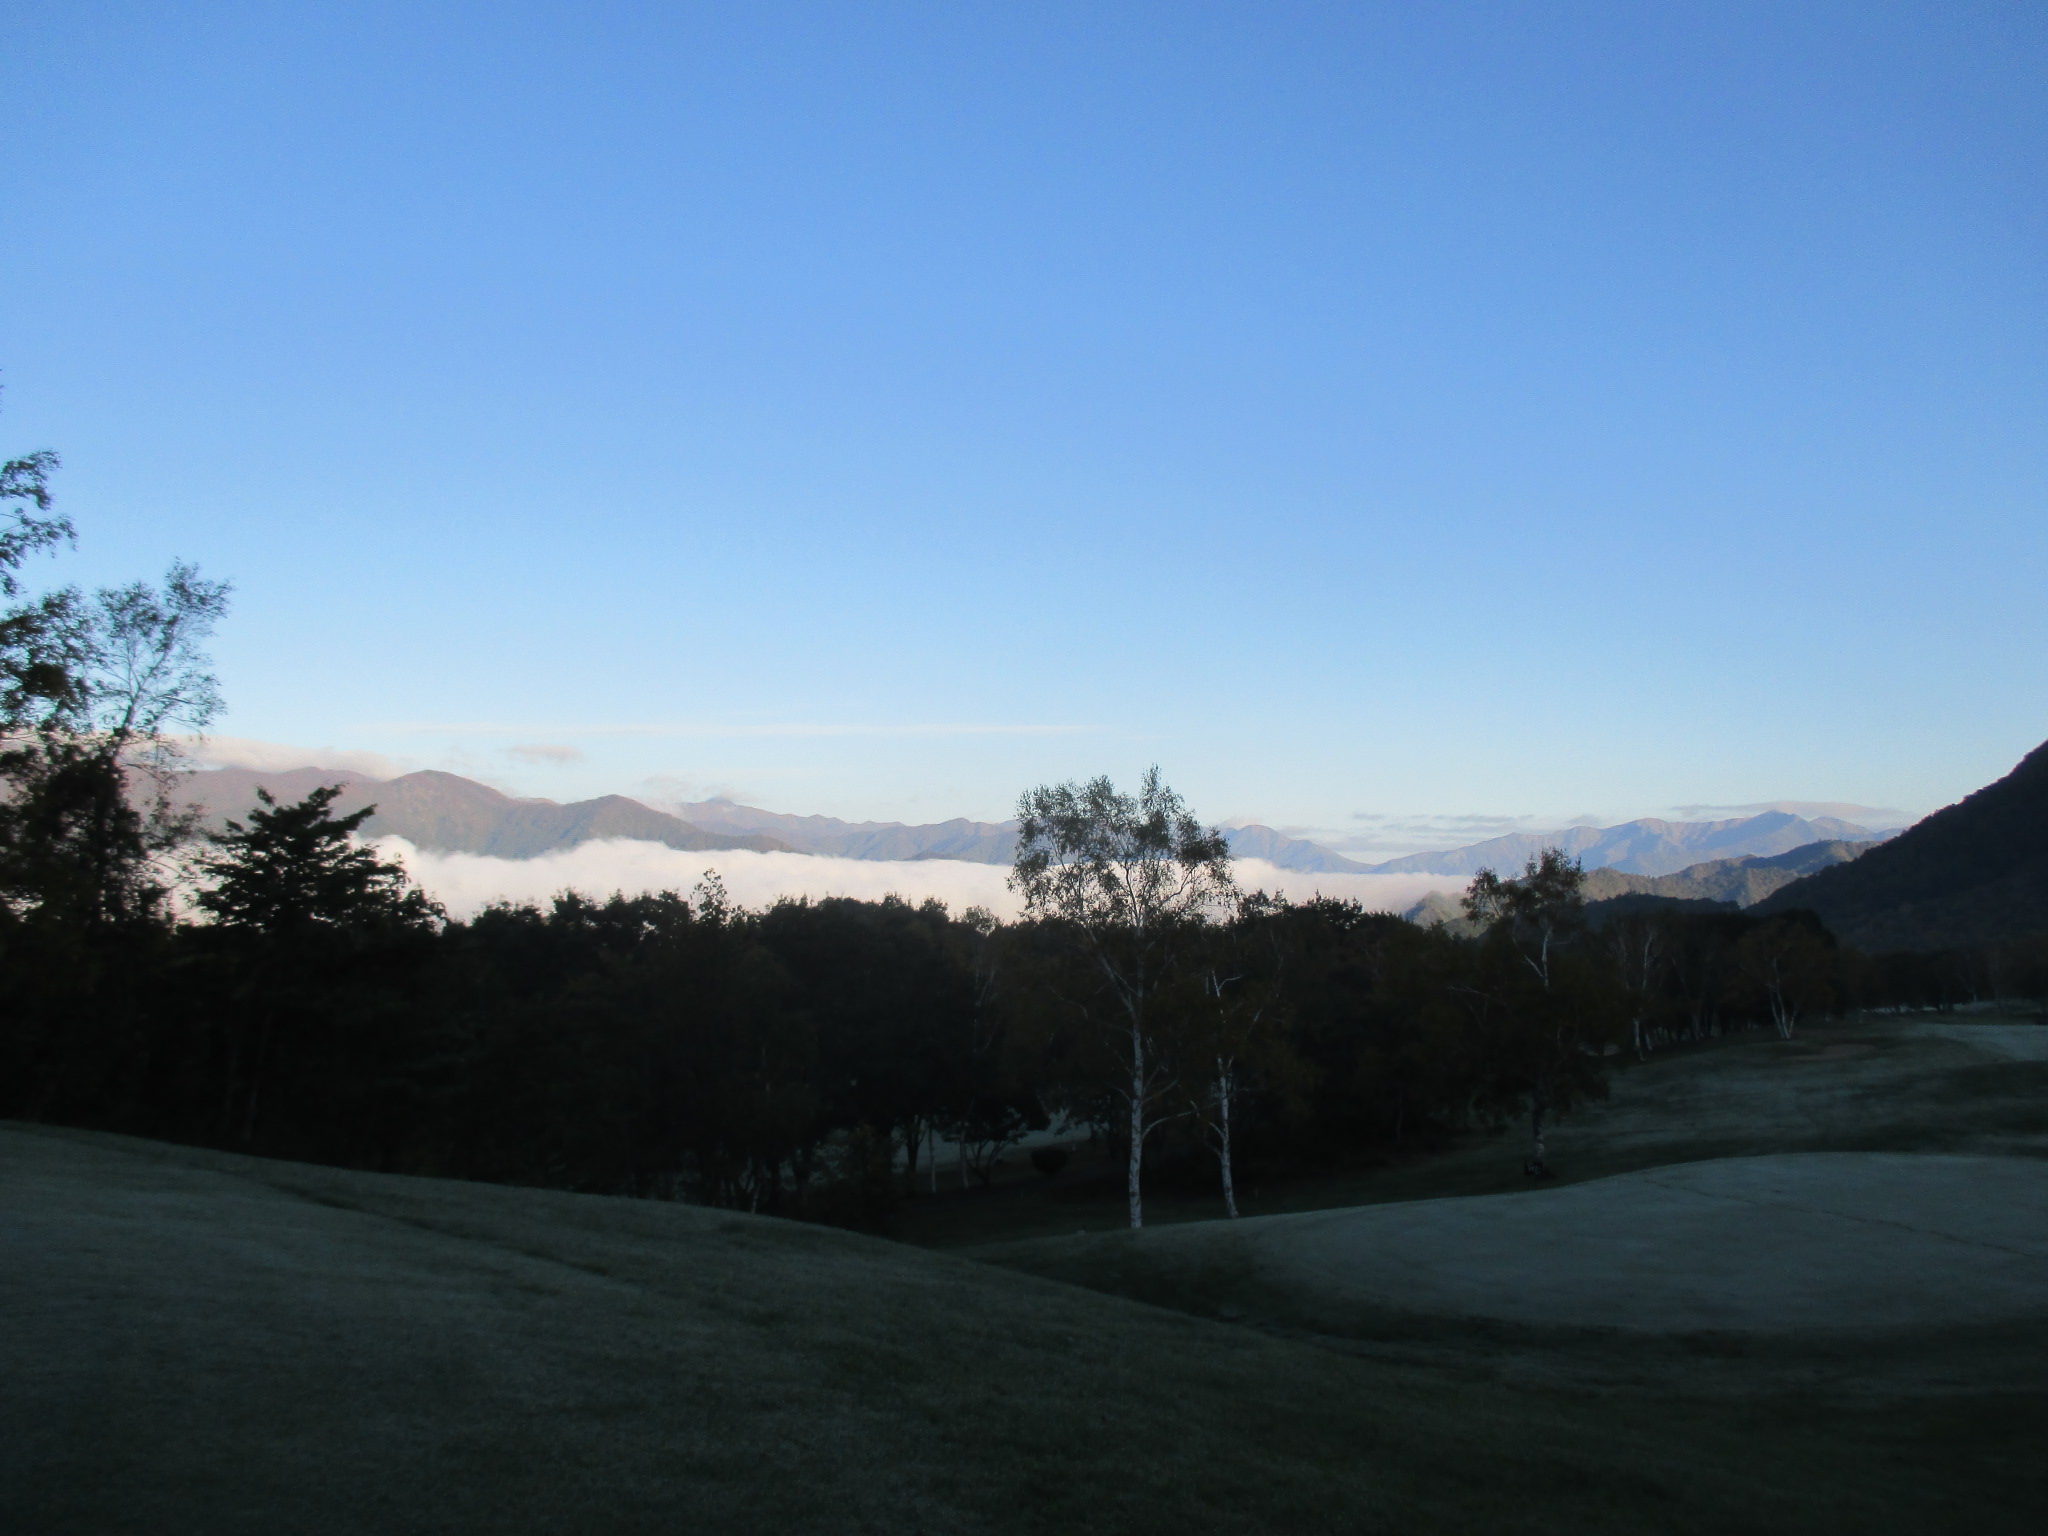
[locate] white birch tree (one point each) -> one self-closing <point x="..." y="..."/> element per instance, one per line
<point x="1130" y="877"/>
<point x="1233" y="1043"/>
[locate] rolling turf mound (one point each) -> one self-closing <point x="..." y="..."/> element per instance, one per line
<point x="1842" y="1242"/>
<point x="197" y="1342"/>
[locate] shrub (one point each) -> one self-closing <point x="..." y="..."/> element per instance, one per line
<point x="1049" y="1160"/>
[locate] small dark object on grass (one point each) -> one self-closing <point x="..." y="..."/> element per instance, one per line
<point x="1049" y="1160"/>
<point x="1536" y="1168"/>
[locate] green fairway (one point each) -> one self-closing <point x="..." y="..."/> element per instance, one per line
<point x="195" y="1342"/>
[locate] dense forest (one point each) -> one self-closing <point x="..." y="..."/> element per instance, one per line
<point x="278" y="989"/>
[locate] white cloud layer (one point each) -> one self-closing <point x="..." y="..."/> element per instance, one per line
<point x="467" y="882"/>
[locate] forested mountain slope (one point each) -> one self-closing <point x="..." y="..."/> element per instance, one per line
<point x="1743" y="882"/>
<point x="1973" y="873"/>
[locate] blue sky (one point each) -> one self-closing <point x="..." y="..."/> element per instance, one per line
<point x="1406" y="412"/>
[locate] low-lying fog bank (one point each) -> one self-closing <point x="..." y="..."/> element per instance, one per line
<point x="467" y="882"/>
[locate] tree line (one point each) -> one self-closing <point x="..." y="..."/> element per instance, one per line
<point x="280" y="989"/>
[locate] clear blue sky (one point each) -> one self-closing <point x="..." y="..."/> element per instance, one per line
<point x="1408" y="410"/>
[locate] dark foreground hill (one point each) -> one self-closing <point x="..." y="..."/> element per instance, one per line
<point x="1973" y="873"/>
<point x="449" y="813"/>
<point x="201" y="1343"/>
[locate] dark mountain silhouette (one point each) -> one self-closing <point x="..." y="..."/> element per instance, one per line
<point x="1739" y="882"/>
<point x="451" y="814"/>
<point x="1975" y="872"/>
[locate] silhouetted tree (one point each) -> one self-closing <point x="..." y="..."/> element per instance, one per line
<point x="1234" y="1038"/>
<point x="1541" y="1004"/>
<point x="1789" y="960"/>
<point x="303" y="917"/>
<point x="90" y="688"/>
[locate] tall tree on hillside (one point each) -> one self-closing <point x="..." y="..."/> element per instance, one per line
<point x="1789" y="960"/>
<point x="296" y="904"/>
<point x="1235" y="1042"/>
<point x="1538" y="912"/>
<point x="298" y="869"/>
<point x="1129" y="878"/>
<point x="33" y="677"/>
<point x="1639" y="948"/>
<point x="90" y="689"/>
<point x="1546" y="1012"/>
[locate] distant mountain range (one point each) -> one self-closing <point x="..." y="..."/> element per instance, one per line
<point x="1257" y="842"/>
<point x="1646" y="847"/>
<point x="977" y="842"/>
<point x="447" y="812"/>
<point x="1975" y="872"/>
<point x="1727" y="883"/>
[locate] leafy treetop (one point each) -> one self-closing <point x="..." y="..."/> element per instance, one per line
<point x="295" y="869"/>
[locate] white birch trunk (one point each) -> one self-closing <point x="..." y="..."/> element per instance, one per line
<point x="1137" y="1126"/>
<point x="1224" y="1086"/>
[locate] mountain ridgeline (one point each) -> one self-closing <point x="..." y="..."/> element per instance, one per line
<point x="451" y="814"/>
<point x="1734" y="882"/>
<point x="1973" y="873"/>
<point x="1645" y="847"/>
<point x="445" y="812"/>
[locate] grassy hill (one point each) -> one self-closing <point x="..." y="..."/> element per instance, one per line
<point x="1973" y="873"/>
<point x="195" y="1341"/>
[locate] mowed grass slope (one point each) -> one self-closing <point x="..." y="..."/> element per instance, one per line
<point x="195" y="1342"/>
<point x="1971" y="1083"/>
<point x="1855" y="1223"/>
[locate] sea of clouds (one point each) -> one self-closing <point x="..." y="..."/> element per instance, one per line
<point x="466" y="882"/>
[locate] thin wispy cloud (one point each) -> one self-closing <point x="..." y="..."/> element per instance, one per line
<point x="547" y="754"/>
<point x="715" y="731"/>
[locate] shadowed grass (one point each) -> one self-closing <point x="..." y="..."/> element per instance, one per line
<point x="195" y="1342"/>
<point x="1867" y="1084"/>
